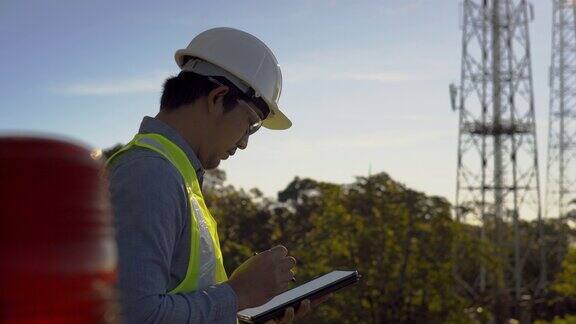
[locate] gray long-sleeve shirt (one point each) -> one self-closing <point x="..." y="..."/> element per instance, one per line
<point x="152" y="220"/>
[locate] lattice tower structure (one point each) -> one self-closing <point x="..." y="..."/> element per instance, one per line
<point x="561" y="162"/>
<point x="498" y="184"/>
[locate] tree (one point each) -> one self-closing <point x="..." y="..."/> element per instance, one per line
<point x="565" y="283"/>
<point x="396" y="237"/>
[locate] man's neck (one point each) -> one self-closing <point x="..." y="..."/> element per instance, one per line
<point x="186" y="127"/>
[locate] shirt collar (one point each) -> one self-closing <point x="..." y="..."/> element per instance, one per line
<point x="156" y="126"/>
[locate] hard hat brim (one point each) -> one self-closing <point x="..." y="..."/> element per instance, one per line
<point x="180" y="56"/>
<point x="278" y="121"/>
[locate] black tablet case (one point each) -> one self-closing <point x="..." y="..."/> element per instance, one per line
<point x="278" y="311"/>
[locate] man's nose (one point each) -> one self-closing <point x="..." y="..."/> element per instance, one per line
<point x="243" y="142"/>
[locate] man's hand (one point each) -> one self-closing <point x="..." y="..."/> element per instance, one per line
<point x="305" y="307"/>
<point x="262" y="277"/>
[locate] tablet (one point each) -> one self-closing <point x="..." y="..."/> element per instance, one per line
<point x="315" y="288"/>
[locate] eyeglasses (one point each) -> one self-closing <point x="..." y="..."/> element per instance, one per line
<point x="249" y="99"/>
<point x="255" y="126"/>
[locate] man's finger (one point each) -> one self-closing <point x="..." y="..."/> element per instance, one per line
<point x="287" y="263"/>
<point x="286" y="276"/>
<point x="288" y="316"/>
<point x="303" y="309"/>
<point x="279" y="250"/>
<point x="320" y="300"/>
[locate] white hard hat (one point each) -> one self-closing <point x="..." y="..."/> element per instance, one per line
<point x="245" y="57"/>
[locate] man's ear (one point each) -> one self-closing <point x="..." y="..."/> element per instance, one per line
<point x="215" y="99"/>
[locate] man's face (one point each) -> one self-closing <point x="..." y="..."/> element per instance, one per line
<point x="231" y="131"/>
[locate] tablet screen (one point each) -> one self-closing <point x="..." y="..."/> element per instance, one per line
<point x="294" y="293"/>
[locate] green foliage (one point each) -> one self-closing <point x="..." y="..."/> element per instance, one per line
<point x="569" y="319"/>
<point x="404" y="244"/>
<point x="565" y="284"/>
<point x="400" y="241"/>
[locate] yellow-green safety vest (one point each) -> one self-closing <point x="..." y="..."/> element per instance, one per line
<point x="204" y="268"/>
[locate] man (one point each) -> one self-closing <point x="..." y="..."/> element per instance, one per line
<point x="170" y="264"/>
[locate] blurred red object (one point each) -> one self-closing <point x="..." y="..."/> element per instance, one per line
<point x="57" y="248"/>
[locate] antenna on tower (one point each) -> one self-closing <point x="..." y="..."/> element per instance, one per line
<point x="453" y="94"/>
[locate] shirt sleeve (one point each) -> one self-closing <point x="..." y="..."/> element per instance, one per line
<point x="149" y="202"/>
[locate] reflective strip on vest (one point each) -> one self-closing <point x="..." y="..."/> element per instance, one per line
<point x="207" y="274"/>
<point x="205" y="265"/>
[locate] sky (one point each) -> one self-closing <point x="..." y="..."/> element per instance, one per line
<point x="365" y="82"/>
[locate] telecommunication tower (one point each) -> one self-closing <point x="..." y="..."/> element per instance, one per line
<point x="498" y="185"/>
<point x="561" y="163"/>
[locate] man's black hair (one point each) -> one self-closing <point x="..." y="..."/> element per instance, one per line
<point x="187" y="87"/>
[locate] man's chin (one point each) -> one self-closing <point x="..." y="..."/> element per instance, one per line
<point x="213" y="164"/>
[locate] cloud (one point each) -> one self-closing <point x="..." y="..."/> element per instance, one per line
<point x="388" y="139"/>
<point x="373" y="65"/>
<point x="389" y="76"/>
<point x="403" y="7"/>
<point x="141" y="84"/>
<point x="307" y="73"/>
<point x="359" y="143"/>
